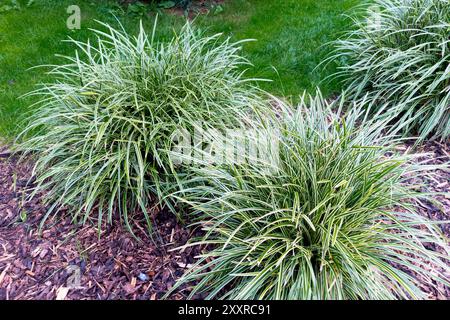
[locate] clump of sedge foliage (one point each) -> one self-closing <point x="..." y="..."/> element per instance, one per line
<point x="399" y="56"/>
<point x="335" y="220"/>
<point x="101" y="132"/>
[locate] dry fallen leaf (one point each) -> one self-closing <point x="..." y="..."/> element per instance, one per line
<point x="61" y="293"/>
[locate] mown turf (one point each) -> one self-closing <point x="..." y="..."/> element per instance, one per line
<point x="290" y="34"/>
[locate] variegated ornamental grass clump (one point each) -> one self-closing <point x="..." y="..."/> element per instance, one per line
<point x="399" y="56"/>
<point x="336" y="220"/>
<point x="101" y="132"/>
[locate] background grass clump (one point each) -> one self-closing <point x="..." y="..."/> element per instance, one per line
<point x="335" y="221"/>
<point x="101" y="131"/>
<point x="400" y="57"/>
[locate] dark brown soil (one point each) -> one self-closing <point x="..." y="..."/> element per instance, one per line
<point x="197" y="7"/>
<point x="45" y="265"/>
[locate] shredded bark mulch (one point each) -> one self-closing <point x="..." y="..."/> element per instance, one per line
<point x="67" y="261"/>
<point x="435" y="153"/>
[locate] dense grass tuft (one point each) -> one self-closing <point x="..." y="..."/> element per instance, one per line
<point x="335" y="221"/>
<point x="400" y="57"/>
<point x="101" y="131"/>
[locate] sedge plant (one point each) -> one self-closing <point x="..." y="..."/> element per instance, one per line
<point x="399" y="57"/>
<point x="333" y="217"/>
<point x="101" y="132"/>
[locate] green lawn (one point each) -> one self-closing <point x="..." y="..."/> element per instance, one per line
<point x="290" y="34"/>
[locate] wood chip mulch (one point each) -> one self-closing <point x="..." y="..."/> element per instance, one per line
<point x="435" y="153"/>
<point x="47" y="264"/>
